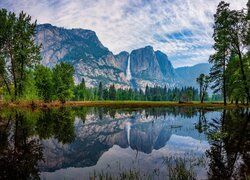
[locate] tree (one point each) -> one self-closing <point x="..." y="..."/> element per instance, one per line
<point x="105" y="94"/>
<point x="100" y="91"/>
<point x="222" y="49"/>
<point x="239" y="43"/>
<point x="147" y="93"/>
<point x="4" y="75"/>
<point x="235" y="85"/>
<point x="43" y="82"/>
<point x="112" y="92"/>
<point x="63" y="81"/>
<point x="203" y="82"/>
<point x="18" y="50"/>
<point x="80" y="91"/>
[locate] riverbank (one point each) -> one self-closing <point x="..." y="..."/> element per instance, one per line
<point x="117" y="104"/>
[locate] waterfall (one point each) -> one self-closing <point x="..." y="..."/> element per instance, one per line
<point x="128" y="128"/>
<point x="128" y="72"/>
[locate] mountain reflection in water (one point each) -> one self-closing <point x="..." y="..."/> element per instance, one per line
<point x="156" y="143"/>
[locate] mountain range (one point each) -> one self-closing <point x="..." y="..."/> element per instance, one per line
<point x="95" y="63"/>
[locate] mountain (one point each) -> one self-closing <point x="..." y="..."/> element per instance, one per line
<point x="81" y="48"/>
<point x="152" y="68"/>
<point x="189" y="74"/>
<point x="122" y="60"/>
<point x="94" y="62"/>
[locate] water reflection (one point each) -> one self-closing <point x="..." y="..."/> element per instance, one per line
<point x="229" y="136"/>
<point x="58" y="124"/>
<point x="19" y="155"/>
<point x="75" y="142"/>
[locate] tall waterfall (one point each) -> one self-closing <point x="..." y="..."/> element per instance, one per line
<point x="128" y="72"/>
<point x="128" y="128"/>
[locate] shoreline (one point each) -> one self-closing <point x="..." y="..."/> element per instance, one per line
<point x="117" y="104"/>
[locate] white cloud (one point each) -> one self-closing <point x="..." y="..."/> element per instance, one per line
<point x="130" y="24"/>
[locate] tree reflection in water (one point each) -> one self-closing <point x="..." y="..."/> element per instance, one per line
<point x="22" y="133"/>
<point x="19" y="154"/>
<point x="20" y="136"/>
<point x="229" y="137"/>
<point x="57" y="123"/>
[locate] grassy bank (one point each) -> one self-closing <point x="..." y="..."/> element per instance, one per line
<point x="116" y="104"/>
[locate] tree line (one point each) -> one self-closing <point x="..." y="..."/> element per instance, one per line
<point x="156" y="93"/>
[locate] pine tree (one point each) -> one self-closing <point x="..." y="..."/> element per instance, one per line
<point x="112" y="92"/>
<point x="100" y="91"/>
<point x="222" y="49"/>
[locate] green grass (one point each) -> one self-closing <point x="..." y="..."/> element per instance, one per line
<point x="120" y="104"/>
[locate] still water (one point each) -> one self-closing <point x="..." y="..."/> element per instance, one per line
<point x="105" y="143"/>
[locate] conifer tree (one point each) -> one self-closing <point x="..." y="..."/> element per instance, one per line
<point x="222" y="49"/>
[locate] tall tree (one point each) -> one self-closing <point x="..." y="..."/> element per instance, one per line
<point x="222" y="49"/>
<point x="100" y="91"/>
<point x="237" y="32"/>
<point x="17" y="48"/>
<point x="112" y="92"/>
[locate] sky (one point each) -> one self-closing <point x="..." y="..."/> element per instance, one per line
<point x="180" y="28"/>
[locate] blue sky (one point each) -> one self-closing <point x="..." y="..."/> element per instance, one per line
<point x="180" y="28"/>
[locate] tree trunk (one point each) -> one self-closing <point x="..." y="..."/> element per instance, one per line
<point x="224" y="81"/>
<point x="22" y="73"/>
<point x="6" y="84"/>
<point x="13" y="72"/>
<point x="244" y="76"/>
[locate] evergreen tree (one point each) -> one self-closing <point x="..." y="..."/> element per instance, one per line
<point x="112" y="92"/>
<point x="147" y="93"/>
<point x="100" y="91"/>
<point x="81" y="91"/>
<point x="221" y="47"/>
<point x="105" y="94"/>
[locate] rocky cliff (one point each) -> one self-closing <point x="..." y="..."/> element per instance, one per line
<point x="81" y="48"/>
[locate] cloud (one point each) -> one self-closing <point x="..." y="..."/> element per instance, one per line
<point x="180" y="28"/>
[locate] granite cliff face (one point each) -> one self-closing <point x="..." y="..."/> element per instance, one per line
<point x="152" y="68"/>
<point x="122" y="60"/>
<point x="81" y="48"/>
<point x="94" y="62"/>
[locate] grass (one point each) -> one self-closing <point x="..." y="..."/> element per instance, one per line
<point x="172" y="168"/>
<point x="117" y="104"/>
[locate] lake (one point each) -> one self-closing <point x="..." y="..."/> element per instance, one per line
<point x="105" y="143"/>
